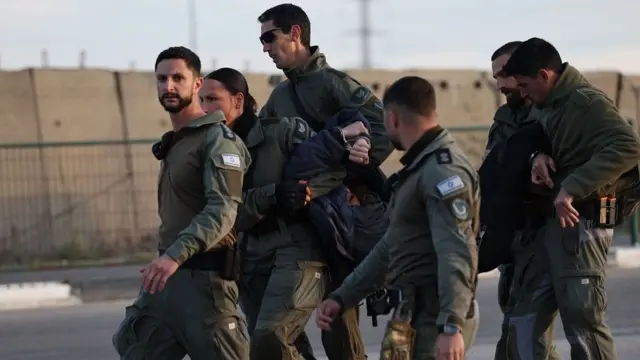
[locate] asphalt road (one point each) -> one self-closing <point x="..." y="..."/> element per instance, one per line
<point x="84" y="331"/>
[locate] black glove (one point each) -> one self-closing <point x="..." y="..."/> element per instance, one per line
<point x="290" y="197"/>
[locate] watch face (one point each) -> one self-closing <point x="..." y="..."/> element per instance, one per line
<point x="449" y="329"/>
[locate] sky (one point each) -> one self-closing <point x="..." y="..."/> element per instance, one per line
<point x="590" y="34"/>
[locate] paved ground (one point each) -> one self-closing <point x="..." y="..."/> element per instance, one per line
<point x="84" y="332"/>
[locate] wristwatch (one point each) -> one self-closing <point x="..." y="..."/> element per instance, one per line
<point x="448" y="329"/>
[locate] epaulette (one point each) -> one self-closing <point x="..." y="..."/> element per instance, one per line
<point x="227" y="133"/>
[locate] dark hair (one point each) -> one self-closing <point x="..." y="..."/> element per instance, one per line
<point x="532" y="56"/>
<point x="506" y="49"/>
<point x="235" y="82"/>
<point x="414" y="93"/>
<point x="182" y="53"/>
<point x="284" y="16"/>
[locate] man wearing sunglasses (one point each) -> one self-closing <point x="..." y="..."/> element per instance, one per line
<point x="314" y="91"/>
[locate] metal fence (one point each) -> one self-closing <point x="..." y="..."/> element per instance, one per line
<point x="92" y="200"/>
<point x="76" y="200"/>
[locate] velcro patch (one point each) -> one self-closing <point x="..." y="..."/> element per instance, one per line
<point x="231" y="160"/>
<point x="450" y="185"/>
<point x="360" y="96"/>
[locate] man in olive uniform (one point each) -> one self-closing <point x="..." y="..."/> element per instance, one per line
<point x="429" y="252"/>
<point x="188" y="304"/>
<point x="592" y="147"/>
<point x="510" y="117"/>
<point x="315" y="91"/>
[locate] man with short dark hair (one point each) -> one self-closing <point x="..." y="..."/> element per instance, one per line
<point x="320" y="90"/>
<point x="315" y="91"/>
<point x="432" y="267"/>
<point x="593" y="154"/>
<point x="509" y="118"/>
<point x="188" y="304"/>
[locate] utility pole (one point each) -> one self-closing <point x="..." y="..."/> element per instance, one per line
<point x="193" y="26"/>
<point x="365" y="32"/>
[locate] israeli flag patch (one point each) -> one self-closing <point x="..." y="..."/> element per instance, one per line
<point x="450" y="185"/>
<point x="231" y="160"/>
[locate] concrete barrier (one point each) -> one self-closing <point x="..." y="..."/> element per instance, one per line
<point x="36" y="294"/>
<point x="53" y="198"/>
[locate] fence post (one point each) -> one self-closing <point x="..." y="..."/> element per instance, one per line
<point x="635" y="220"/>
<point x="128" y="154"/>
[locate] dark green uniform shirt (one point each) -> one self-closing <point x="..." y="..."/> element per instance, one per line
<point x="200" y="187"/>
<point x="324" y="91"/>
<point x="431" y="240"/>
<point x="591" y="142"/>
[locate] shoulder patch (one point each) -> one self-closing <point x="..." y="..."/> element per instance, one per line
<point x="227" y="133"/>
<point x="450" y="185"/>
<point x="298" y="130"/>
<point x="302" y="127"/>
<point x="231" y="160"/>
<point x="360" y="96"/>
<point x="443" y="156"/>
<point x="460" y="209"/>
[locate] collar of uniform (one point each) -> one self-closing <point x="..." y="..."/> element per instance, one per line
<point x="422" y="144"/>
<point x="255" y="135"/>
<point x="213" y="118"/>
<point x="316" y="61"/>
<point x="570" y="80"/>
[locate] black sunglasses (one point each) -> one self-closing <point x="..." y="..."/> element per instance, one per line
<point x="268" y="36"/>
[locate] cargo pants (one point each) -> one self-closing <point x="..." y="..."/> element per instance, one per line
<point x="512" y="282"/>
<point x="196" y="314"/>
<point x="278" y="305"/>
<point x="343" y="342"/>
<point x="573" y="285"/>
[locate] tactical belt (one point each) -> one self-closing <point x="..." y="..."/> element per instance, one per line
<point x="603" y="212"/>
<point x="224" y="261"/>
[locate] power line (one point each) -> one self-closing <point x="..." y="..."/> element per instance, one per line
<point x="193" y="26"/>
<point x="365" y="32"/>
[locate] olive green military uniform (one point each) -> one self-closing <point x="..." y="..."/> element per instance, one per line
<point x="200" y="187"/>
<point x="507" y="120"/>
<point x="429" y="251"/>
<point x="322" y="92"/>
<point x="284" y="274"/>
<point x="592" y="145"/>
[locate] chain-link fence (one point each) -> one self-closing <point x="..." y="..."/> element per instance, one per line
<point x="95" y="200"/>
<point x="76" y="200"/>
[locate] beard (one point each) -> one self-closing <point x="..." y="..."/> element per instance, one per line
<point x="514" y="99"/>
<point x="175" y="106"/>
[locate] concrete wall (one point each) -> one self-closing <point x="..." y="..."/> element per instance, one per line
<point x="62" y="199"/>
